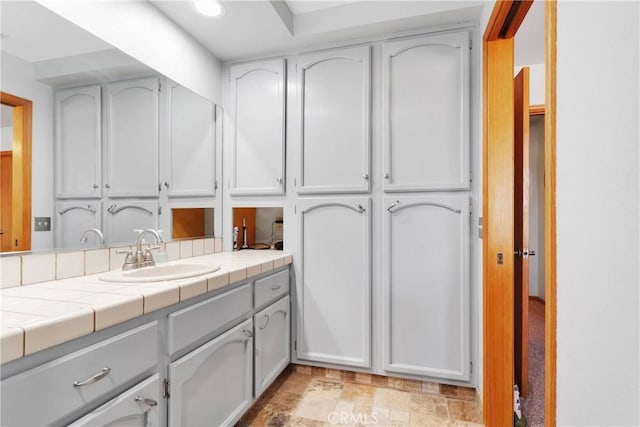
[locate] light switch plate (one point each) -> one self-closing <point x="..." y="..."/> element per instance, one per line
<point x="42" y="223"/>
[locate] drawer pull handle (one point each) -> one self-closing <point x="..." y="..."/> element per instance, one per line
<point x="275" y="287"/>
<point x="266" y="318"/>
<point x="97" y="377"/>
<point x="248" y="333"/>
<point x="148" y="402"/>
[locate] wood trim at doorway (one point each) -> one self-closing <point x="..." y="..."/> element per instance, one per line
<point x="498" y="212"/>
<point x="21" y="197"/>
<point x="536" y="110"/>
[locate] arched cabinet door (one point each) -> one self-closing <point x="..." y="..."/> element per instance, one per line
<point x="123" y="217"/>
<point x="334" y="291"/>
<point x="258" y="106"/>
<point x="335" y="109"/>
<point x="74" y="217"/>
<point x="426" y="286"/>
<point x="79" y="142"/>
<point x="132" y="138"/>
<point x="426" y="113"/>
<point x="212" y="385"/>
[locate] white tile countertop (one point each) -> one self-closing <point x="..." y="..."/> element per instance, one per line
<point x="38" y="316"/>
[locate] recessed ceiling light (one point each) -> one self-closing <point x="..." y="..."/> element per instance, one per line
<point x="208" y="7"/>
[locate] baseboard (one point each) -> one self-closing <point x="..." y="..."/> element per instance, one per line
<point x="536" y="298"/>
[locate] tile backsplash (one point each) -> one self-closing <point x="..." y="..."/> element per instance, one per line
<point x="19" y="270"/>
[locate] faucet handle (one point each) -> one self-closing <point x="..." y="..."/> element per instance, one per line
<point x="148" y="260"/>
<point x="130" y="259"/>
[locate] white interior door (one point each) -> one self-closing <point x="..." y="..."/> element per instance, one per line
<point x="426" y="286"/>
<point x="132" y="138"/>
<point x="335" y="118"/>
<point x="334" y="291"/>
<point x="426" y="113"/>
<point x="79" y="142"/>
<point x="258" y="103"/>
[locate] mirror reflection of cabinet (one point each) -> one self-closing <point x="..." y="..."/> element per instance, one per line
<point x="78" y="142"/>
<point x="132" y="138"/>
<point x="258" y="105"/>
<point x="123" y="216"/>
<point x="73" y="218"/>
<point x="191" y="168"/>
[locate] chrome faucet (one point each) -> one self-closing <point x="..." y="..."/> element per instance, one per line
<point x="141" y="259"/>
<point x="97" y="232"/>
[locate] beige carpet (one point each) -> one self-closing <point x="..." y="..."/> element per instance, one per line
<point x="533" y="405"/>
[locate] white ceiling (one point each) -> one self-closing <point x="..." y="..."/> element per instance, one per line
<point x="263" y="28"/>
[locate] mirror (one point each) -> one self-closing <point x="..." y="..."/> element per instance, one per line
<point x="115" y="145"/>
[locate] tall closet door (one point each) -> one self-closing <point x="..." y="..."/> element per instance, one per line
<point x="335" y="119"/>
<point x="124" y="217"/>
<point x="191" y="145"/>
<point x="78" y="143"/>
<point x="258" y="106"/>
<point x="132" y="138"/>
<point x="334" y="291"/>
<point x="73" y="218"/>
<point x="426" y="113"/>
<point x="426" y="286"/>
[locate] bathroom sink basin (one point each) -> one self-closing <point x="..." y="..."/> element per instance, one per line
<point x="159" y="273"/>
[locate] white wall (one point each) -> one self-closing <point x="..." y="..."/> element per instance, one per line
<point x="6" y="138"/>
<point x="17" y="79"/>
<point x="143" y="32"/>
<point x="536" y="206"/>
<point x="598" y="363"/>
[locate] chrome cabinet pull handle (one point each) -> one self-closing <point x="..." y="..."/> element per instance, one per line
<point x="275" y="287"/>
<point x="365" y="176"/>
<point x="107" y="186"/>
<point x="95" y="185"/>
<point x="266" y="318"/>
<point x="148" y="402"/>
<point x="97" y="377"/>
<point x="166" y="184"/>
<point x="248" y="333"/>
<point x="387" y="175"/>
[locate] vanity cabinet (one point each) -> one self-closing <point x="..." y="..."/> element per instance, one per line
<point x="78" y="142"/>
<point x="74" y="217"/>
<point x="50" y="392"/>
<point x="425" y="115"/>
<point x="190" y="144"/>
<point x="258" y="139"/>
<point x="335" y="116"/>
<point x="138" y="406"/>
<point x="272" y="343"/>
<point x="426" y="286"/>
<point x="334" y="287"/>
<point x="212" y="385"/>
<point x="123" y="217"/>
<point x="132" y="138"/>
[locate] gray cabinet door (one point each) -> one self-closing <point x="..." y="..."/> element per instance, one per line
<point x="123" y="217"/>
<point x="191" y="144"/>
<point x="272" y="343"/>
<point x="335" y="109"/>
<point x="426" y="286"/>
<point x="79" y="142"/>
<point x="426" y="113"/>
<point x="73" y="218"/>
<point x="334" y="290"/>
<point x="212" y="385"/>
<point x="132" y="138"/>
<point x="258" y="112"/>
<point x="139" y="406"/>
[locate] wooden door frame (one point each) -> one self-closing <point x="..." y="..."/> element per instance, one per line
<point x="21" y="185"/>
<point x="498" y="196"/>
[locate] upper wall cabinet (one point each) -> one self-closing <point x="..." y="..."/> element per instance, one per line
<point x="132" y="138"/>
<point x="78" y="143"/>
<point x="191" y="144"/>
<point x="335" y="121"/>
<point x="426" y="113"/>
<point x="258" y="105"/>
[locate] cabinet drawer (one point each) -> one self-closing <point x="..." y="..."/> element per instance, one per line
<point x="43" y="395"/>
<point x="197" y="321"/>
<point x="271" y="288"/>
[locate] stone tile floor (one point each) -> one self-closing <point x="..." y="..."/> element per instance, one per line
<point x="306" y="399"/>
